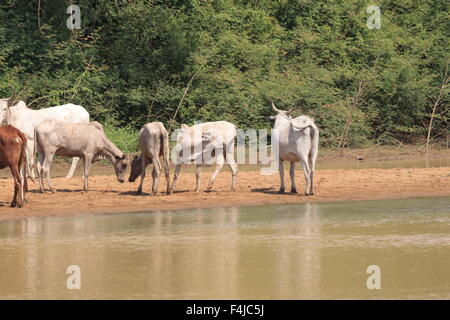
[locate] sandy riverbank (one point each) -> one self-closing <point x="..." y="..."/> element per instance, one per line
<point x="107" y="195"/>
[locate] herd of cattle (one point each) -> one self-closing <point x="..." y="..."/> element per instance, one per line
<point x="67" y="131"/>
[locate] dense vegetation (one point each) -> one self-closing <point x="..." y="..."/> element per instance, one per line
<point x="180" y="61"/>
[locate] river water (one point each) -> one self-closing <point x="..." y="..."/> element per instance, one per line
<point x="306" y="251"/>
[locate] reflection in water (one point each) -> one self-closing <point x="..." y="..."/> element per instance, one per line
<point x="309" y="251"/>
<point x="299" y="265"/>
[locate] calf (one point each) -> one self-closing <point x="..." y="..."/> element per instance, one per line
<point x="153" y="143"/>
<point x="84" y="140"/>
<point x="13" y="144"/>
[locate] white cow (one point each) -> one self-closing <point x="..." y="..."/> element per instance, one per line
<point x="298" y="142"/>
<point x="85" y="140"/>
<point x="205" y="143"/>
<point x="26" y="120"/>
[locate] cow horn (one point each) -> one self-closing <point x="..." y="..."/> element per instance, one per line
<point x="275" y="108"/>
<point x="13" y="96"/>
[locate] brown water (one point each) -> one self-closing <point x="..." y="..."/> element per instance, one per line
<point x="309" y="251"/>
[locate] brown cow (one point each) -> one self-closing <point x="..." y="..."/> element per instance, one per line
<point x="13" y="145"/>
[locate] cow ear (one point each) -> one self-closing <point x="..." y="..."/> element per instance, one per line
<point x="184" y="126"/>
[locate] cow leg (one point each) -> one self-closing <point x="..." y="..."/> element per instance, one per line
<point x="17" y="187"/>
<point x="198" y="169"/>
<point x="281" y="169"/>
<point x="31" y="167"/>
<point x="220" y="161"/>
<point x="38" y="169"/>
<point x="23" y="177"/>
<point x="292" y="174"/>
<point x="39" y="172"/>
<point x="167" y="173"/>
<point x="175" y="177"/>
<point x="144" y="164"/>
<point x="307" y="172"/>
<point x="311" y="191"/>
<point x="214" y="175"/>
<point x="45" y="171"/>
<point x="156" y="172"/>
<point x="72" y="167"/>
<point x="87" y="167"/>
<point x="234" y="169"/>
<point x="312" y="161"/>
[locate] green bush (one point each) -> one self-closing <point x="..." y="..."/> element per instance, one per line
<point x="181" y="61"/>
<point x="125" y="138"/>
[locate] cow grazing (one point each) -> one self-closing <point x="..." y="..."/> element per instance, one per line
<point x="84" y="140"/>
<point x="13" y="145"/>
<point x="205" y="143"/>
<point x="298" y="142"/>
<point x="153" y="143"/>
<point x="17" y="114"/>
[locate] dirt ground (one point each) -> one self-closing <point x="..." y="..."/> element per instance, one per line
<point x="107" y="195"/>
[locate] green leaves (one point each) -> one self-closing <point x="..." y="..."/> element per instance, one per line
<point x="135" y="61"/>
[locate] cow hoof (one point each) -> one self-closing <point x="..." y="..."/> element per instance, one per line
<point x="139" y="192"/>
<point x="281" y="191"/>
<point x="294" y="191"/>
<point x="306" y="194"/>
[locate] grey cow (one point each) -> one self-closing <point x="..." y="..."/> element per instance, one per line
<point x="84" y="140"/>
<point x="153" y="143"/>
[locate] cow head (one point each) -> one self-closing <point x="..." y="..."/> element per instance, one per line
<point x="136" y="167"/>
<point x="5" y="105"/>
<point x="120" y="166"/>
<point x="271" y="118"/>
<point x="281" y="114"/>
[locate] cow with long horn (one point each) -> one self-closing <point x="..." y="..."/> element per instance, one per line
<point x="298" y="140"/>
